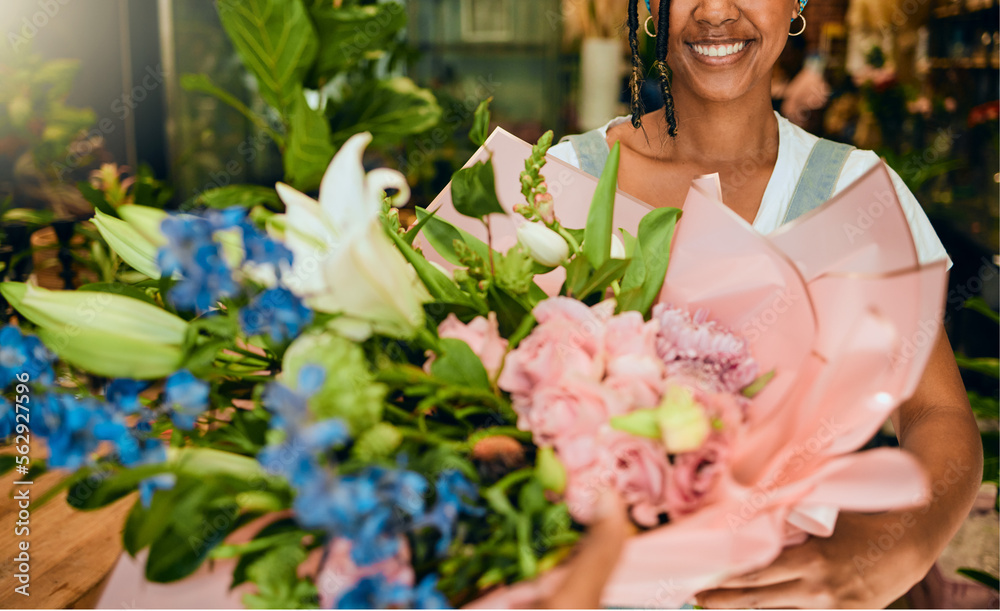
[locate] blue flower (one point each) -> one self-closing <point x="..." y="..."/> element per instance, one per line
<point x="7" y="419"/>
<point x="427" y="596"/>
<point x="453" y="494"/>
<point x="221" y="220"/>
<point x="153" y="453"/>
<point x="74" y="427"/>
<point x="23" y="354"/>
<point x="123" y="393"/>
<point x="277" y="312"/>
<point x="261" y="249"/>
<point x="376" y="592"/>
<point x="187" y="396"/>
<point x="192" y="252"/>
<point x="304" y="439"/>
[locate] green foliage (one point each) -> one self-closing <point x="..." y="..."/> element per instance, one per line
<point x="459" y="365"/>
<point x="651" y="256"/>
<point x="309" y="148"/>
<point x="473" y="191"/>
<point x="481" y="123"/>
<point x="990" y="581"/>
<point x="597" y="235"/>
<point x="245" y="196"/>
<point x="390" y="109"/>
<point x="278" y="44"/>
<point x="349" y="35"/>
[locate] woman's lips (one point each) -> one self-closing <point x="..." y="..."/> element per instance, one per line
<point x="719" y="52"/>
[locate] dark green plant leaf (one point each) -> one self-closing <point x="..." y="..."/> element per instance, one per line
<point x="349" y="34"/>
<point x="245" y="196"/>
<point x="990" y="581"/>
<point x="985" y="366"/>
<point x="201" y="520"/>
<point x="96" y="198"/>
<point x="656" y="232"/>
<point x="578" y="272"/>
<point x="442" y="236"/>
<point x="602" y="278"/>
<point x="978" y="304"/>
<point x="473" y="191"/>
<point x="458" y="364"/>
<point x="202" y="84"/>
<point x="440" y="286"/>
<point x="390" y="109"/>
<point x="597" y="234"/>
<point x="481" y="123"/>
<point x="277" y="42"/>
<point x="309" y="150"/>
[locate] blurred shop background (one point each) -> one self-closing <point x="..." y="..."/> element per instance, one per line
<point x="187" y="103"/>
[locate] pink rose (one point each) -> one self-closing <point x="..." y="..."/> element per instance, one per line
<point x="339" y="574"/>
<point x="567" y="407"/>
<point x="637" y="378"/>
<point x="639" y="470"/>
<point x="694" y="474"/>
<point x="481" y="334"/>
<point x="628" y="335"/>
<point x="569" y="340"/>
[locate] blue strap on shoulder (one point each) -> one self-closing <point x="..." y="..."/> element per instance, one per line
<point x="592" y="151"/>
<point x="819" y="177"/>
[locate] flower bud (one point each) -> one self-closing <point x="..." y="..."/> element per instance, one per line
<point x="544" y="245"/>
<point x="617" y="248"/>
<point x="546" y="207"/>
<point x="684" y="425"/>
<point x="550" y="471"/>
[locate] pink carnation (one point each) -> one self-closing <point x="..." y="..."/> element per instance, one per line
<point x="481" y="334"/>
<point x="640" y="472"/>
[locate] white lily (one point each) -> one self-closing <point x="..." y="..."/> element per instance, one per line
<point x="344" y="262"/>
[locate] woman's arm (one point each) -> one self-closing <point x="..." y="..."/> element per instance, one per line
<point x="871" y="560"/>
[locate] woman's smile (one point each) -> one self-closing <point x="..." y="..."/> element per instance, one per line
<point x="719" y="52"/>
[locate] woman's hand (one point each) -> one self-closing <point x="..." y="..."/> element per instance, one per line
<point x="839" y="572"/>
<point x="871" y="560"/>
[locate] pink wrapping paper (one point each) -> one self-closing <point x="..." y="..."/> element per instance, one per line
<point x="835" y="302"/>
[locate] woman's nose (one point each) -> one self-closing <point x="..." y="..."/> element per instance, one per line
<point x="716" y="12"/>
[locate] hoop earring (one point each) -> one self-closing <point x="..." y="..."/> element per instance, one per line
<point x="799" y="33"/>
<point x="648" y="33"/>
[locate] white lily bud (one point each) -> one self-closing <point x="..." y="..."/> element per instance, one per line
<point x="130" y="244"/>
<point x="544" y="245"/>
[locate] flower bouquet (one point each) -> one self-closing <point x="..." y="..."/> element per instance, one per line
<point x="315" y="398"/>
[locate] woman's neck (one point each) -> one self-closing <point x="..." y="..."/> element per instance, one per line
<point x="715" y="132"/>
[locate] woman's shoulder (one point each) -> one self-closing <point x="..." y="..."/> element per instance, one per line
<point x="565" y="151"/>
<point x="858" y="162"/>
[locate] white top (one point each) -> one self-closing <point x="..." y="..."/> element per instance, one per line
<point x="794" y="145"/>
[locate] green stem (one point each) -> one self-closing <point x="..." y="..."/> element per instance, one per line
<point x="568" y="237"/>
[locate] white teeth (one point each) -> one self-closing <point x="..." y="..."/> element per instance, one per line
<point x="719" y="50"/>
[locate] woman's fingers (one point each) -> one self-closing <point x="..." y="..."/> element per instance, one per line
<point x="787" y="595"/>
<point x="792" y="564"/>
<point x="596" y="557"/>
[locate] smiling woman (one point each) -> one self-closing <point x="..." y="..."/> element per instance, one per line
<point x="714" y="60"/>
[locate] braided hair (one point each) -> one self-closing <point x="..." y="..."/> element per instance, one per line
<point x="660" y="64"/>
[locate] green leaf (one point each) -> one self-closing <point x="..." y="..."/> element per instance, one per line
<point x="550" y="471"/>
<point x="309" y="150"/>
<point x="96" y="198"/>
<point x="390" y="109"/>
<point x="203" y="84"/>
<point x="143" y="526"/>
<point x="640" y="422"/>
<point x="440" y="286"/>
<point x="278" y="584"/>
<point x="117" y="288"/>
<point x="758" y="385"/>
<point x="985" y="366"/>
<point x="656" y="231"/>
<point x="990" y="581"/>
<point x="473" y="191"/>
<point x="282" y="526"/>
<point x="458" y="364"/>
<point x="578" y="272"/>
<point x="511" y="311"/>
<point x="200" y="522"/>
<point x="978" y="304"/>
<point x="349" y="34"/>
<point x="602" y="278"/>
<point x="442" y="236"/>
<point x="245" y="196"/>
<point x="597" y="234"/>
<point x="481" y="123"/>
<point x="277" y="42"/>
